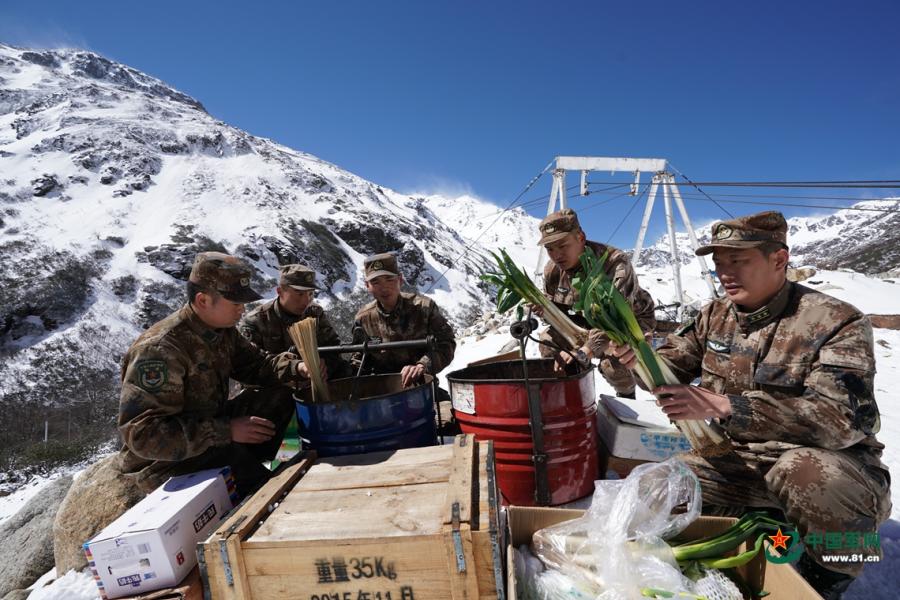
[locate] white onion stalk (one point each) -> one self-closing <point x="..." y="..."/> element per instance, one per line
<point x="515" y="286"/>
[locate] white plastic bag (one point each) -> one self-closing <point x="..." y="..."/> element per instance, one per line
<point x="616" y="548"/>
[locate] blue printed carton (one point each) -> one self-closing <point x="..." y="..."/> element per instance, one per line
<point x="638" y="430"/>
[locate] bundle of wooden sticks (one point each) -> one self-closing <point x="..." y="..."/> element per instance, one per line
<point x="303" y="334"/>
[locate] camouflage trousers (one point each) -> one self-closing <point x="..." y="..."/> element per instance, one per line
<point x="829" y="495"/>
<point x="614" y="372"/>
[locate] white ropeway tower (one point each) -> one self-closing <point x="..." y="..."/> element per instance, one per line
<point x="660" y="178"/>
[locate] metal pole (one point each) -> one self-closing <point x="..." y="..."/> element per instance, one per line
<point x="557" y="190"/>
<point x="676" y="266"/>
<point x="645" y="221"/>
<point x="561" y="175"/>
<point x="438" y="437"/>
<point x="704" y="270"/>
<point x="536" y="421"/>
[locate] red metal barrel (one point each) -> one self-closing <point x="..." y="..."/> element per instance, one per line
<point x="491" y="402"/>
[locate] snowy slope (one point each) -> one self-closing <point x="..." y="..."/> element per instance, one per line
<point x="488" y="226"/>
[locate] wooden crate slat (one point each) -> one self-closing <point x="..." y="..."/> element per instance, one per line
<point x="460" y="487"/>
<point x="398" y="468"/>
<point x="376" y="512"/>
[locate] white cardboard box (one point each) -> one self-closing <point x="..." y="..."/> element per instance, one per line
<point x="152" y="545"/>
<point x="638" y="429"/>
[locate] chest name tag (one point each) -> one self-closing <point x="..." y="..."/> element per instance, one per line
<point x="562" y="290"/>
<point x="718" y="346"/>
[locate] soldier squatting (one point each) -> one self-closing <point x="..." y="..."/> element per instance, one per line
<point x="786" y="371"/>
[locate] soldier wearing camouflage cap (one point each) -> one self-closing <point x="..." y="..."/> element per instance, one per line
<point x="175" y="414"/>
<point x="395" y="316"/>
<point x="565" y="241"/>
<point x="267" y="325"/>
<point x="788" y="373"/>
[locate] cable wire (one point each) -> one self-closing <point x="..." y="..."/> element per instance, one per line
<point x="721" y="198"/>
<point x="861" y="184"/>
<point x="697" y="187"/>
<point x="637" y="201"/>
<point x="485" y="230"/>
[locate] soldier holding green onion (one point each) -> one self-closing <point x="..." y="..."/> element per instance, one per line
<point x="788" y="372"/>
<point x="564" y="241"/>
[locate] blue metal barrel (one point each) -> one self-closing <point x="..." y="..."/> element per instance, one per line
<point x="386" y="416"/>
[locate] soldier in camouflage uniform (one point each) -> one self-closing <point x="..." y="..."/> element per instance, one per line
<point x="565" y="241"/>
<point x="395" y="316"/>
<point x="175" y="416"/>
<point x="267" y="325"/>
<point x="788" y="373"/>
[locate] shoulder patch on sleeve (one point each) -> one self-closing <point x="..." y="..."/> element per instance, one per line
<point x="845" y="357"/>
<point x="152" y="374"/>
<point x="686" y="328"/>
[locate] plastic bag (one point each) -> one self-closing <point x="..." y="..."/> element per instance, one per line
<point x="616" y="549"/>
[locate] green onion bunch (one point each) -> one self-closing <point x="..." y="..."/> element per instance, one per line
<point x="604" y="307"/>
<point x="515" y="287"/>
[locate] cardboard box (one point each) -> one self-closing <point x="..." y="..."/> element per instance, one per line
<point x="411" y="524"/>
<point x="612" y="467"/>
<point x="782" y="582"/>
<point x="151" y="546"/>
<point x="189" y="588"/>
<point x="638" y="429"/>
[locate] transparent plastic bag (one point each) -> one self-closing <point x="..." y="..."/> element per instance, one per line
<point x="616" y="548"/>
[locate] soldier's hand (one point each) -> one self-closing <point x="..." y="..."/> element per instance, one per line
<point x="302" y="370"/>
<point x="411" y="373"/>
<point x="564" y="359"/>
<point x="536" y="310"/>
<point x="251" y="430"/>
<point x="691" y="402"/>
<point x="624" y="353"/>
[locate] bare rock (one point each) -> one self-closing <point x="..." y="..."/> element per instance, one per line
<point x="27" y="549"/>
<point x="95" y="500"/>
<point x="800" y="273"/>
<point x="885" y="321"/>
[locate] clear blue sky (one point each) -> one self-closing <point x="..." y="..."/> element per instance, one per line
<point x="479" y="96"/>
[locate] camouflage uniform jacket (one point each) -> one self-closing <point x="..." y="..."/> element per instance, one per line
<point x="799" y="371"/>
<point x="175" y="388"/>
<point x="415" y="317"/>
<point x="558" y="288"/>
<point x="267" y="327"/>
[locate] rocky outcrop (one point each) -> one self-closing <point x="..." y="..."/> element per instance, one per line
<point x="97" y="498"/>
<point x="27" y="549"/>
<point x="885" y="321"/>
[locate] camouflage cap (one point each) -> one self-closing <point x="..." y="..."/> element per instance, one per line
<point x="558" y="225"/>
<point x="380" y="264"/>
<point x="225" y="274"/>
<point x="298" y="277"/>
<point x="747" y="232"/>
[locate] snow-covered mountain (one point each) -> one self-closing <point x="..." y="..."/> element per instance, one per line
<point x="111" y="181"/>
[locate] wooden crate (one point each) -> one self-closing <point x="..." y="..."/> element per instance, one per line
<point x="417" y="524"/>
